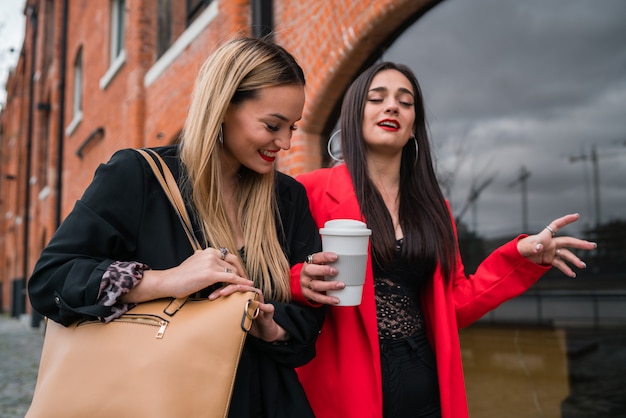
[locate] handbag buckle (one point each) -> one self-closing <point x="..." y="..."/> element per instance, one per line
<point x="250" y="313"/>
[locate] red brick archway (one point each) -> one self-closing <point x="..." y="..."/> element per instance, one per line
<point x="333" y="41"/>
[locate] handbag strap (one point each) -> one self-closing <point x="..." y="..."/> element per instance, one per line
<point x="168" y="183"/>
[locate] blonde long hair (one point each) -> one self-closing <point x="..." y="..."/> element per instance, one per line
<point x="233" y="74"/>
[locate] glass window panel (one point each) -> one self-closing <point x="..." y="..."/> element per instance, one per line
<point x="118" y="28"/>
<point x="194" y="8"/>
<point x="526" y="105"/>
<point x="78" y="83"/>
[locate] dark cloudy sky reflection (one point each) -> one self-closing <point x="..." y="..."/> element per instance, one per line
<point x="511" y="84"/>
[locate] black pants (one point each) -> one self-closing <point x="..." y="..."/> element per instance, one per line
<point x="410" y="384"/>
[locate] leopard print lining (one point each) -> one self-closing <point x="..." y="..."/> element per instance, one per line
<point x="119" y="278"/>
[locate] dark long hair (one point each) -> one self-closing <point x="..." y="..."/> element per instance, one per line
<point x="423" y="213"/>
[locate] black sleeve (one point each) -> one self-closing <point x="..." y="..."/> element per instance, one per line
<point x="101" y="228"/>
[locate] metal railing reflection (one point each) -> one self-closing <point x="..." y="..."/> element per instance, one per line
<point x="563" y="308"/>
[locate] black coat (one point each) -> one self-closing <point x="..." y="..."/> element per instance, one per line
<point x="125" y="216"/>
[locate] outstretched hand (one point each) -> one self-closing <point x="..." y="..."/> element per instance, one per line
<point x="547" y="248"/>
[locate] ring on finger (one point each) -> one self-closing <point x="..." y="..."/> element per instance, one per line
<point x="227" y="270"/>
<point x="310" y="285"/>
<point x="309" y="259"/>
<point x="223" y="252"/>
<point x="558" y="253"/>
<point x="552" y="231"/>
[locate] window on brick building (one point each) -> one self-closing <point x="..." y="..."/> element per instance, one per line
<point x="117" y="41"/>
<point x="117" y="28"/>
<point x="49" y="33"/>
<point x="194" y="8"/>
<point x="173" y="18"/>
<point x="78" y="83"/>
<point x="164" y="26"/>
<point x="77" y="93"/>
<point x="44" y="148"/>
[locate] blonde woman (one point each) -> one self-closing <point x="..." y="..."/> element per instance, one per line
<point x="123" y="244"/>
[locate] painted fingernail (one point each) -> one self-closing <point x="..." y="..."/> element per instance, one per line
<point x="584" y="265"/>
<point x="573" y="275"/>
<point x="538" y="247"/>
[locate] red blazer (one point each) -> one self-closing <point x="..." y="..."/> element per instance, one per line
<point x="344" y="379"/>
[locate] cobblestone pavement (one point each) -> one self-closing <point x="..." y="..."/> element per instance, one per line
<point x="20" y="349"/>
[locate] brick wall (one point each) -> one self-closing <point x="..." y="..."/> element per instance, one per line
<point x="331" y="39"/>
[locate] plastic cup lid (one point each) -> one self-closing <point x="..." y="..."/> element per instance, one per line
<point x="345" y="227"/>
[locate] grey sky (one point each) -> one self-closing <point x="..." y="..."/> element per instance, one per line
<point x="529" y="83"/>
<point x="11" y="38"/>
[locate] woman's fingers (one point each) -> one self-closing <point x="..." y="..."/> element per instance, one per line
<point x="547" y="248"/>
<point x="312" y="278"/>
<point x="322" y="257"/>
<point x="223" y="257"/>
<point x="235" y="261"/>
<point x="236" y="287"/>
<point x="564" y="258"/>
<point x="222" y="266"/>
<point x="314" y="288"/>
<point x="559" y="223"/>
<point x="319" y="296"/>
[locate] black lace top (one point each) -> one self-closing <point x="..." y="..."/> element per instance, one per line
<point x="397" y="297"/>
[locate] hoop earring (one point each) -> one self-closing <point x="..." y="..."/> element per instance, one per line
<point x="329" y="147"/>
<point x="417" y="148"/>
<point x="220" y="135"/>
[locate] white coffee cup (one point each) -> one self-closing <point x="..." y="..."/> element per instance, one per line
<point x="349" y="239"/>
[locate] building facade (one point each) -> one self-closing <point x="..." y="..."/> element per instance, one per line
<point x="94" y="77"/>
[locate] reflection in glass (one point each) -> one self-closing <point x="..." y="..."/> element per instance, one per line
<point x="527" y="111"/>
<point x="526" y="105"/>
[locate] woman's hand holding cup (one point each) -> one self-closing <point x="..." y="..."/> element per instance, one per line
<point x="312" y="278"/>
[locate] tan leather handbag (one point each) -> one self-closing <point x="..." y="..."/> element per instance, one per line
<point x="164" y="358"/>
